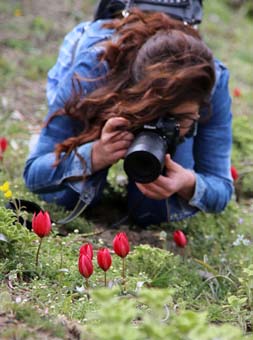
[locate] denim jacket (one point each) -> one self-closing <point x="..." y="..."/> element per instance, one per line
<point x="207" y="154"/>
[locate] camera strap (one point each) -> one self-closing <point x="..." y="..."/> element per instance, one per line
<point x="77" y="211"/>
<point x="81" y="205"/>
<point x="85" y="199"/>
<point x="193" y="130"/>
<point x="189" y="11"/>
<point x="17" y="205"/>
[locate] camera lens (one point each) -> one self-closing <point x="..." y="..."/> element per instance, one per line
<point x="144" y="160"/>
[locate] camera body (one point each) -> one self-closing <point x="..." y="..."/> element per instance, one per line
<point x="145" y="158"/>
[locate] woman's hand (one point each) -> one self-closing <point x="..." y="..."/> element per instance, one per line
<point x="112" y="145"/>
<point x="176" y="180"/>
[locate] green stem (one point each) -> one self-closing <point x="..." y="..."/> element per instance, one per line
<point x="123" y="269"/>
<point x="87" y="288"/>
<point x="37" y="255"/>
<point x="87" y="283"/>
<point x="123" y="273"/>
<point x="182" y="253"/>
<point x="61" y="257"/>
<point x="105" y="280"/>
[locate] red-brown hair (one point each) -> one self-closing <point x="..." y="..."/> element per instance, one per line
<point x="154" y="64"/>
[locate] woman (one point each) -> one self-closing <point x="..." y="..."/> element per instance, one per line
<point x="125" y="73"/>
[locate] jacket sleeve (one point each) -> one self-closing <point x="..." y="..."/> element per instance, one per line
<point x="64" y="60"/>
<point x="212" y="151"/>
<point x="40" y="175"/>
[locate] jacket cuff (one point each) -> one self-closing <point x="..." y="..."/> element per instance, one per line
<point x="85" y="151"/>
<point x="199" y="193"/>
<point x="77" y="167"/>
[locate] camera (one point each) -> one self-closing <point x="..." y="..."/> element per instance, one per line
<point x="144" y="160"/>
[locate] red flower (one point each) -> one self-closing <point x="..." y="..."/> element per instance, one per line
<point x="85" y="265"/>
<point x="234" y="173"/>
<point x="237" y="92"/>
<point x="104" y="259"/>
<point x="121" y="245"/>
<point x="3" y="144"/>
<point x="180" y="238"/>
<point x="41" y="224"/>
<point x="86" y="249"/>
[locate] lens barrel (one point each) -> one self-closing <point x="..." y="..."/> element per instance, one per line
<point x="145" y="157"/>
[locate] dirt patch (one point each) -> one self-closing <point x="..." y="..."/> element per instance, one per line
<point x="22" y="94"/>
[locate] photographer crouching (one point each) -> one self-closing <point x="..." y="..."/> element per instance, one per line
<point x="145" y="88"/>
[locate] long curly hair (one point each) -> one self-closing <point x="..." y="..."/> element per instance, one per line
<point x="154" y="64"/>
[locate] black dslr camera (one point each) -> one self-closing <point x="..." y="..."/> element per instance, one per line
<point x="144" y="160"/>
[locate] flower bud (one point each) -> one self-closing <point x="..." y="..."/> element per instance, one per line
<point x="121" y="245"/>
<point x="237" y="92"/>
<point x="180" y="238"/>
<point x="234" y="173"/>
<point x="41" y="223"/>
<point x="104" y="259"/>
<point x="3" y="144"/>
<point x="86" y="249"/>
<point x="85" y="265"/>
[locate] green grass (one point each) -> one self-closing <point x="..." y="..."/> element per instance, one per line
<point x="18" y="44"/>
<point x="6" y="68"/>
<point x="37" y="66"/>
